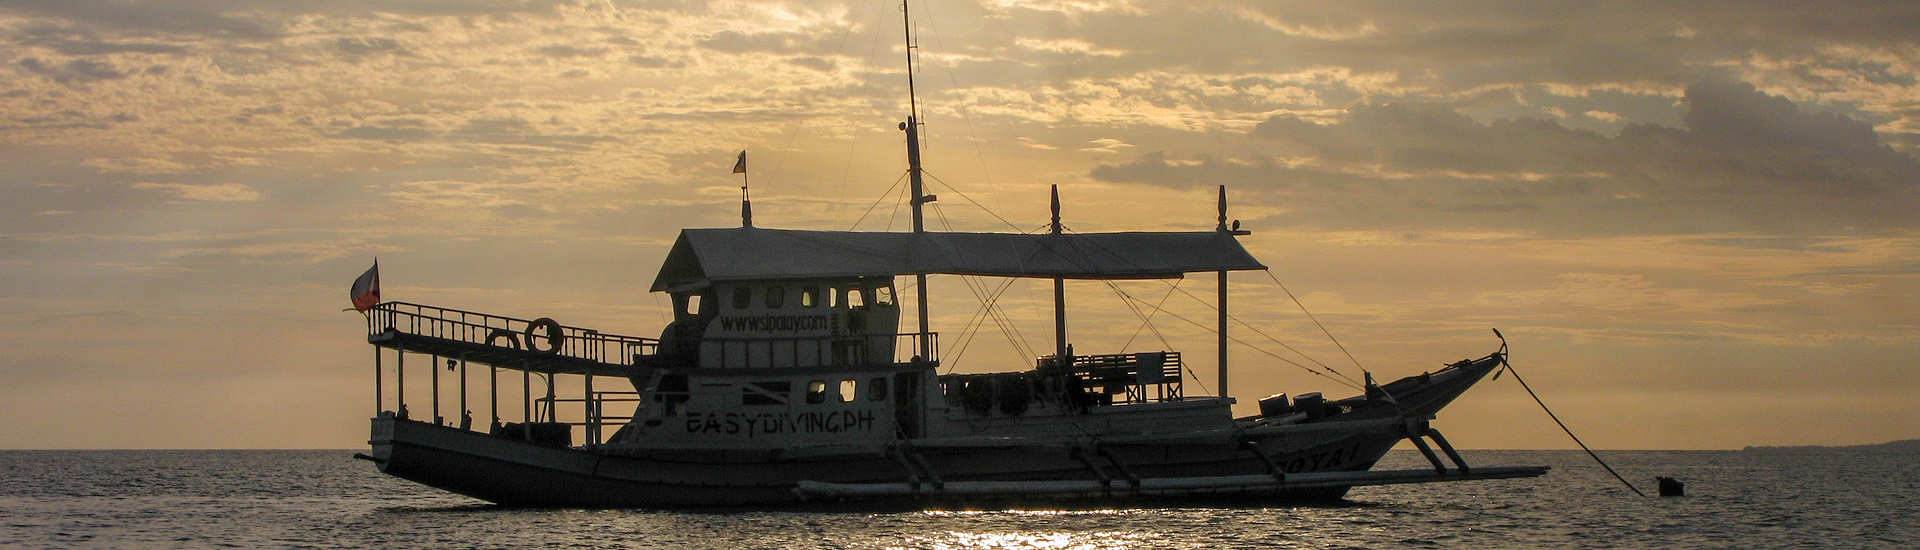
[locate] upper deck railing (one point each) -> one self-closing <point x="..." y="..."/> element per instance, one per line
<point x="818" y="351"/>
<point x="1140" y="376"/>
<point x="506" y="333"/>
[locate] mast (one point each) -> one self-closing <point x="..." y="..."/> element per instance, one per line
<point x="1223" y="297"/>
<point x="912" y="127"/>
<point x="1059" y="296"/>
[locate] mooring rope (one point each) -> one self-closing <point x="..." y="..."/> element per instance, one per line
<point x="1563" y="426"/>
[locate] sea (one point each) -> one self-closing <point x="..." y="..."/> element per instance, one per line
<point x="1831" y="498"/>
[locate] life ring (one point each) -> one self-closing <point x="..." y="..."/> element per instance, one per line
<point x="513" y="340"/>
<point x="554" y="336"/>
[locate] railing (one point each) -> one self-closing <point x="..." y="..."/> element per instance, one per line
<point x="1088" y="380"/>
<point x="1131" y="373"/>
<point x="817" y="351"/>
<point x="508" y="332"/>
<point x="594" y="418"/>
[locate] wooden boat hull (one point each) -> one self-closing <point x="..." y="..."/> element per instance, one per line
<point x="516" y="473"/>
<point x="1251" y="460"/>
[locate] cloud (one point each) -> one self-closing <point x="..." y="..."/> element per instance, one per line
<point x="136" y="165"/>
<point x="566" y="51"/>
<point x="1106" y="145"/>
<point x="222" y="192"/>
<point x="356" y="47"/>
<point x="816" y="63"/>
<point x="385" y="133"/>
<point x="68" y="40"/>
<point x="1744" y="160"/>
<point x="189" y="18"/>
<point x="73" y="71"/>
<point x="517" y="131"/>
<point x="655" y="62"/>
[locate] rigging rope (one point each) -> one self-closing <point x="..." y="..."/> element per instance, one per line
<point x="1146" y="321"/>
<point x="963" y="194"/>
<point x="1337" y="375"/>
<point x="1256" y="330"/>
<point x="1249" y="345"/>
<point x="989" y="307"/>
<point x="895" y="214"/>
<point x="1316" y="321"/>
<point x="1563" y="425"/>
<point x="876" y="202"/>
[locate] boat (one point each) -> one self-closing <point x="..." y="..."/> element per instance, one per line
<point x="784" y="379"/>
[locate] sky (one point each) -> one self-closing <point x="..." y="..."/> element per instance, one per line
<point x="1695" y="222"/>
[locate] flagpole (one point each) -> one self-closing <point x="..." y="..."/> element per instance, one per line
<point x="746" y="196"/>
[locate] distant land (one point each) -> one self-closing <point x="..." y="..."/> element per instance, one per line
<point x="1904" y="445"/>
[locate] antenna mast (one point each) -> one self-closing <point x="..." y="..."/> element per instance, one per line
<point x="912" y="128"/>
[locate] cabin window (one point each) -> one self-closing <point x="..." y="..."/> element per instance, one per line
<point x="742" y="297"/>
<point x="765" y="393"/>
<point x="854" y="298"/>
<point x="877" y="389"/>
<point x="816" y="392"/>
<point x="883" y="295"/>
<point x="693" y="304"/>
<point x="833" y="297"/>
<point x="776" y="297"/>
<point x="849" y="389"/>
<point x="809" y="296"/>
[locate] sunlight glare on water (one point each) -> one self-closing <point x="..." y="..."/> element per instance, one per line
<point x="326" y="499"/>
<point x="1027" y="539"/>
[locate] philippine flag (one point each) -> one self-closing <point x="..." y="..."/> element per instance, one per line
<point x="366" y="289"/>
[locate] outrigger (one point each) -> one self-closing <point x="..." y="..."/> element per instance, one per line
<point x="783" y="378"/>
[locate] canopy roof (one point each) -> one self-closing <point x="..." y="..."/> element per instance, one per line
<point x="703" y="256"/>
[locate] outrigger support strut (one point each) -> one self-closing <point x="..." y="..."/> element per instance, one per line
<point x="916" y="467"/>
<point x="1444" y="446"/>
<point x="1418" y="430"/>
<point x="1272" y="467"/>
<point x="1106" y="481"/>
<point x="1133" y="481"/>
<point x="1428" y="452"/>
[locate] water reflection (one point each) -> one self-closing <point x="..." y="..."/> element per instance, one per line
<point x="1052" y="540"/>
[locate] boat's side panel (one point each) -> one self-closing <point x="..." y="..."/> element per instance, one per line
<point x="516" y="473"/>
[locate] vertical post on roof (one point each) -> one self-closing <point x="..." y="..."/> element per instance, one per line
<point x="433" y="367"/>
<point x="1223" y="298"/>
<point x="912" y="128"/>
<point x="593" y="424"/>
<point x="400" y="380"/>
<point x="550" y="379"/>
<point x="1059" y="296"/>
<point x="464" y="418"/>
<point x="526" y="401"/>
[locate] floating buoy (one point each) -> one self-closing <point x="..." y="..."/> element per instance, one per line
<point x="1670" y="487"/>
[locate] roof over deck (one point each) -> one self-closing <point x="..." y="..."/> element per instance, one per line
<point x="703" y="256"/>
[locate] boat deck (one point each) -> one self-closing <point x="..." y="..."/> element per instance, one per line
<point x="539" y="345"/>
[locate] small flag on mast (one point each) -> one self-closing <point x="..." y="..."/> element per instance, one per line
<point x="740" y="167"/>
<point x="366" y="289"/>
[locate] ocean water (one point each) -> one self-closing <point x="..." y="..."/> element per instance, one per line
<point x="325" y="499"/>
